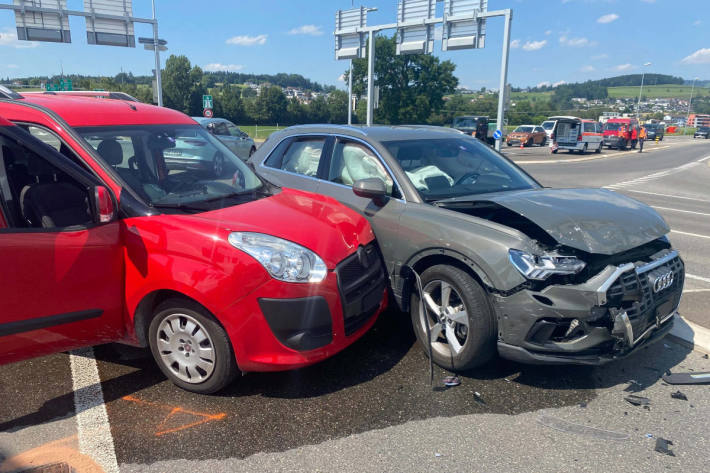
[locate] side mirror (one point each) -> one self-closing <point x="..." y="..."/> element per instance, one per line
<point x="370" y="188"/>
<point x="104" y="208"/>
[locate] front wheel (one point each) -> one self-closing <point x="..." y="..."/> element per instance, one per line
<point x="190" y="347"/>
<point x="584" y="149"/>
<point x="460" y="319"/>
<point x="218" y="165"/>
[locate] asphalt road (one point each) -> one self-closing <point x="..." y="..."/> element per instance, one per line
<point x="371" y="408"/>
<point x="672" y="176"/>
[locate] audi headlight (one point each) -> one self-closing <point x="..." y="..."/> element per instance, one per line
<point x="284" y="260"/>
<point x="542" y="267"/>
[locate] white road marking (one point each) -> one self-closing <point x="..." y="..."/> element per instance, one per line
<point x="697" y="278"/>
<point x="95" y="439"/>
<point x="653" y="177"/>
<point x="667" y="195"/>
<point x="682" y="211"/>
<point x="696" y="235"/>
<point x="695" y="290"/>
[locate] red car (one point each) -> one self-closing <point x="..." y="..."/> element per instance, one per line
<point x="101" y="241"/>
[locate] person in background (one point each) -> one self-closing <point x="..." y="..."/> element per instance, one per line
<point x="642" y="138"/>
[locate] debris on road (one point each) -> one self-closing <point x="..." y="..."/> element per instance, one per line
<point x="579" y="429"/>
<point x="679" y="395"/>
<point x="437" y="455"/>
<point x="687" y="378"/>
<point x="662" y="446"/>
<point x="450" y="381"/>
<point x="637" y="400"/>
<point x="478" y="398"/>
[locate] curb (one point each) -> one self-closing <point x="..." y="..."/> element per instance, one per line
<point x="691" y="334"/>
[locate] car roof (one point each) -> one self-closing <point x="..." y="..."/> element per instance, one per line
<point x="80" y="111"/>
<point x="376" y="133"/>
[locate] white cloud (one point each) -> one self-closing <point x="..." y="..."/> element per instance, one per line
<point x="515" y="44"/>
<point x="588" y="68"/>
<point x="701" y="56"/>
<point x="216" y="67"/>
<point x="576" y="42"/>
<point x="248" y="40"/>
<point x="562" y="82"/>
<point x="608" y="18"/>
<point x="8" y="37"/>
<point x="310" y="30"/>
<point x="534" y="45"/>
<point x="623" y="67"/>
<point x="544" y="84"/>
<point x="341" y="78"/>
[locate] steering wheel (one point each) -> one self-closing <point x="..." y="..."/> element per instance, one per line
<point x="469" y="175"/>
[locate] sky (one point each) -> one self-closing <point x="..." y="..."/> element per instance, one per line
<point x="553" y="41"/>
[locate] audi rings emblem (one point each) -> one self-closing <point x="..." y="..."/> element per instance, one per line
<point x="662" y="281"/>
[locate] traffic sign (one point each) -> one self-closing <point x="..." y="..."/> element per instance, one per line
<point x="497" y="135"/>
<point x="207" y="102"/>
<point x="208" y="113"/>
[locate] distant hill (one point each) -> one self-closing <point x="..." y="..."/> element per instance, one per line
<point x="666" y="91"/>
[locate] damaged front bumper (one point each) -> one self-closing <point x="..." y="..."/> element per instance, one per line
<point x="608" y="317"/>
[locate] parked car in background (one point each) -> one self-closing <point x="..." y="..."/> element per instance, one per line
<point x="527" y="135"/>
<point x="476" y="126"/>
<point x="618" y="133"/>
<point x="576" y="134"/>
<point x="655" y="131"/>
<point x="507" y="266"/>
<point x="702" y="132"/>
<point x="101" y="240"/>
<point x="228" y="133"/>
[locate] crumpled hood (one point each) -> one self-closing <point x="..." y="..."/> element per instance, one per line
<point x="592" y="220"/>
<point x="316" y="222"/>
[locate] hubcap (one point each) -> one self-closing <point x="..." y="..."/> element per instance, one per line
<point x="446" y="316"/>
<point x="186" y="348"/>
<point x="218" y="165"/>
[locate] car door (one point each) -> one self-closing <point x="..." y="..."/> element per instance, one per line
<point x="61" y="267"/>
<point x="241" y="143"/>
<point x="219" y="129"/>
<point x="349" y="161"/>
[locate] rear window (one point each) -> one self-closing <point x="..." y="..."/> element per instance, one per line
<point x="590" y="127"/>
<point x="549" y="125"/>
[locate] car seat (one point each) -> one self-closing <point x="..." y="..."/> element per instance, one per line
<point x="48" y="203"/>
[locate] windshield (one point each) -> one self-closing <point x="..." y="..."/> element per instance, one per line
<point x="613" y="126"/>
<point x="523" y="129"/>
<point x="453" y="167"/>
<point x="464" y="122"/>
<point x="171" y="165"/>
<point x="548" y="125"/>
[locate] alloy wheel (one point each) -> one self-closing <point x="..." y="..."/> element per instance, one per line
<point x="446" y="316"/>
<point x="186" y="348"/>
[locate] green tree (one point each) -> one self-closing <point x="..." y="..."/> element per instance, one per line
<point x="270" y="107"/>
<point x="338" y="107"/>
<point x="232" y="107"/>
<point x="318" y="111"/>
<point x="412" y="87"/>
<point x="197" y="90"/>
<point x="177" y="83"/>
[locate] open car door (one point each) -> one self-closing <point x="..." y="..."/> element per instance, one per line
<point x="61" y="261"/>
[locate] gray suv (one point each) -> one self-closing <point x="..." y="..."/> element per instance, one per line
<point x="539" y="275"/>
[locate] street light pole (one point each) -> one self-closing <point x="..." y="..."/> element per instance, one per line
<point x="158" y="78"/>
<point x="638" y="104"/>
<point x="503" y="76"/>
<point x="692" y="89"/>
<point x="350" y="94"/>
<point x="371" y="79"/>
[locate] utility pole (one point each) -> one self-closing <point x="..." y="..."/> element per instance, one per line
<point x="503" y="75"/>
<point x="690" y="102"/>
<point x="158" y="79"/>
<point x="638" y="104"/>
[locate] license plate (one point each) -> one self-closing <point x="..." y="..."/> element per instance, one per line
<point x="663" y="311"/>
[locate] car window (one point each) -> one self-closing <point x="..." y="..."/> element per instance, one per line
<point x="302" y="156"/>
<point x="37" y="194"/>
<point x="234" y="130"/>
<point x="589" y="127"/>
<point x="353" y="161"/>
<point x="453" y="167"/>
<point x="44" y="136"/>
<point x="218" y="128"/>
<point x="539" y="129"/>
<point x="524" y="129"/>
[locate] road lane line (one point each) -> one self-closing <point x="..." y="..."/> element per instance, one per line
<point x="697" y="278"/>
<point x="683" y="211"/>
<point x="667" y="195"/>
<point x="696" y="235"/>
<point x="695" y="290"/>
<point x="95" y="439"/>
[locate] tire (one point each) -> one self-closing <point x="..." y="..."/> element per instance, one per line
<point x="529" y="143"/>
<point x="622" y="146"/>
<point x="198" y="376"/>
<point x="583" y="151"/>
<point x="554" y="151"/>
<point x="509" y="145"/>
<point x="477" y="339"/>
<point x="219" y="165"/>
<point x="252" y="151"/>
<point x="599" y="149"/>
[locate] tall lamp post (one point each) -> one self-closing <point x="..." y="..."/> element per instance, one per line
<point x="638" y="104"/>
<point x="692" y="89"/>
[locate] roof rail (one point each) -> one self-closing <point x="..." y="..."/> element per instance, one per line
<point x="6" y="93"/>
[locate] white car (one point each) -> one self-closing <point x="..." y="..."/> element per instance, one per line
<point x="576" y="134"/>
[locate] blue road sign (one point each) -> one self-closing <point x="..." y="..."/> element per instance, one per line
<point x="497" y="134"/>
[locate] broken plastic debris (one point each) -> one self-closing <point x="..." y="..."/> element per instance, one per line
<point x="687" y="378"/>
<point x="662" y="446"/>
<point x="438" y="455"/>
<point x="451" y="381"/>
<point x="569" y="427"/>
<point x="637" y="400"/>
<point x="478" y="398"/>
<point x="679" y="395"/>
<point x="649" y="436"/>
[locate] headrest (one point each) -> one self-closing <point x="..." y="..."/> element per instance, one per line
<point x="111" y="151"/>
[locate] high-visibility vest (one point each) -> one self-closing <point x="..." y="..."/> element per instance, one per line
<point x="642" y="134"/>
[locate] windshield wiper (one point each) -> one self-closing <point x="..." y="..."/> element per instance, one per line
<point x="187" y="207"/>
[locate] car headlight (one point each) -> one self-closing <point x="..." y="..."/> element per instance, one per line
<point x="284" y="260"/>
<point x="542" y="267"/>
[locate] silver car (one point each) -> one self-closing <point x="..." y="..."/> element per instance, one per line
<point x="228" y="133"/>
<point x="537" y="275"/>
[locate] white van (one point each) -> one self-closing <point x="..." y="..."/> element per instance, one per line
<point x="576" y="134"/>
